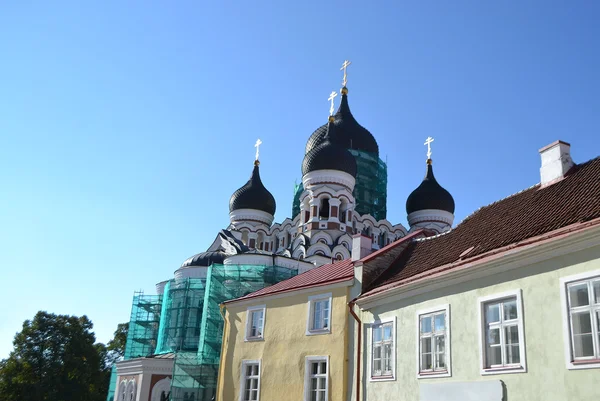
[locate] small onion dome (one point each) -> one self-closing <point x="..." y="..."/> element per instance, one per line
<point x="429" y="195"/>
<point x="253" y="195"/>
<point x="204" y="259"/>
<point x="352" y="135"/>
<point x="329" y="155"/>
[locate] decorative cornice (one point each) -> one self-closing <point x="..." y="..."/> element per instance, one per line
<point x="432" y="215"/>
<point x="328" y="177"/>
<point x="251" y="215"/>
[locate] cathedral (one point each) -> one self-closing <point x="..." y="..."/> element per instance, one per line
<point x="174" y="339"/>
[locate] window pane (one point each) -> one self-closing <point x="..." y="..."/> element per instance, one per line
<point x="582" y="323"/>
<point x="247" y="395"/>
<point x="377" y="352"/>
<point x="440" y="344"/>
<point x="578" y="295"/>
<point x="426" y="361"/>
<point x="440" y="322"/>
<point x="377" y="366"/>
<point x="323" y="367"/>
<point x="387" y="332"/>
<point x="492" y="313"/>
<point x="255" y="370"/>
<point x="248" y="384"/>
<point x="510" y="309"/>
<point x="493" y="336"/>
<point x="322" y="384"/>
<point x="584" y="345"/>
<point x="596" y="285"/>
<point x="315" y="368"/>
<point x="426" y="324"/>
<point x="441" y="361"/>
<point x="321" y="396"/>
<point x="512" y="354"/>
<point x="426" y="344"/>
<point x="387" y="357"/>
<point x="511" y="335"/>
<point x="494" y="356"/>
<point x="377" y="334"/>
<point x="248" y="370"/>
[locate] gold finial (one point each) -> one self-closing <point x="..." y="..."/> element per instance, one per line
<point x="428" y="143"/>
<point x="344" y="66"/>
<point x="330" y="98"/>
<point x="256" y="145"/>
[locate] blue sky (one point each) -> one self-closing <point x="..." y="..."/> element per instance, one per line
<point x="126" y="126"/>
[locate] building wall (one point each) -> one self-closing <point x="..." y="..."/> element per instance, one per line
<point x="285" y="346"/>
<point x="547" y="376"/>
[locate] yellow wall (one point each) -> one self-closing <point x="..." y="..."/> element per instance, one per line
<point x="285" y="346"/>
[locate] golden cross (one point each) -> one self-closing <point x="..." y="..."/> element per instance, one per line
<point x="256" y="145"/>
<point x="331" y="97"/>
<point x="428" y="143"/>
<point x="344" y="66"/>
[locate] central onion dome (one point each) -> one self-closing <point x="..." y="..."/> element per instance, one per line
<point x="329" y="155"/>
<point x="204" y="259"/>
<point x="429" y="195"/>
<point x="351" y="135"/>
<point x="253" y="195"/>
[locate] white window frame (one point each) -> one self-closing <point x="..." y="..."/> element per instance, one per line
<point x="308" y="375"/>
<point x="311" y="310"/>
<point x="243" y="377"/>
<point x="376" y="323"/>
<point x="249" y="312"/>
<point x="569" y="359"/>
<point x="431" y="374"/>
<point x="522" y="366"/>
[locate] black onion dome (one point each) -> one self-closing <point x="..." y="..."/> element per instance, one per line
<point x="329" y="155"/>
<point x="253" y="195"/>
<point x="429" y="195"/>
<point x="352" y="135"/>
<point x="204" y="259"/>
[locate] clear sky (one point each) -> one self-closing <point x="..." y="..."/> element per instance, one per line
<point x="126" y="126"/>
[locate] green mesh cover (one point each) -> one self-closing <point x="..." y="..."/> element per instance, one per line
<point x="298" y="189"/>
<point x="370" y="191"/>
<point x="112" y="384"/>
<point x="143" y="325"/>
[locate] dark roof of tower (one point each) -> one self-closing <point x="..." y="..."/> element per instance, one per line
<point x="204" y="259"/>
<point x="352" y="135"/>
<point x="429" y="195"/>
<point x="253" y="195"/>
<point x="329" y="155"/>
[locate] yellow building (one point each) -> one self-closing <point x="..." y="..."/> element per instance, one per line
<point x="289" y="341"/>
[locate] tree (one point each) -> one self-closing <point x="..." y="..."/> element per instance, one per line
<point x="116" y="346"/>
<point x="55" y="358"/>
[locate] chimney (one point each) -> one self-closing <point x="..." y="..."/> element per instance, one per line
<point x="361" y="246"/>
<point x="556" y="161"/>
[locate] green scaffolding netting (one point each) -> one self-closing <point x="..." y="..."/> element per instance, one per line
<point x="143" y="325"/>
<point x="370" y="191"/>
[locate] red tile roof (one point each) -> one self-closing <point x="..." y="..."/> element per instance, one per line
<point x="327" y="274"/>
<point x="527" y="214"/>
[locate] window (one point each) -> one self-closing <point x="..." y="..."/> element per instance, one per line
<point x="250" y="386"/>
<point x="382" y="350"/>
<point x="433" y="342"/>
<point x="319" y="314"/>
<point x="503" y="348"/>
<point x="255" y="323"/>
<point x="316" y="378"/>
<point x="581" y="319"/>
<point x="324" y="209"/>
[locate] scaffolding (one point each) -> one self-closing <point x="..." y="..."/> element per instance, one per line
<point x="370" y="191"/>
<point x="195" y="373"/>
<point x="112" y="384"/>
<point x="298" y="189"/>
<point x="143" y="325"/>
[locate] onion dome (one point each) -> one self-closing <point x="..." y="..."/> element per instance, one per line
<point x="351" y="135"/>
<point x="253" y="195"/>
<point x="430" y="195"/>
<point x="329" y="155"/>
<point x="204" y="259"/>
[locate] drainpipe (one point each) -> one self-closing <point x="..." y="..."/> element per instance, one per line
<point x="351" y="308"/>
<point x="221" y="365"/>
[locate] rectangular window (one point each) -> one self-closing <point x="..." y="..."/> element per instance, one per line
<point x="503" y="346"/>
<point x="433" y="342"/>
<point x="319" y="314"/>
<point x="250" y="388"/>
<point x="382" y="350"/>
<point x="316" y="384"/>
<point x="255" y="322"/>
<point x="582" y="299"/>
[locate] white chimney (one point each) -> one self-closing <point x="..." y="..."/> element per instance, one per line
<point x="361" y="246"/>
<point x="556" y="161"/>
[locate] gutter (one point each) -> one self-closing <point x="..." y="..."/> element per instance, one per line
<point x="359" y="343"/>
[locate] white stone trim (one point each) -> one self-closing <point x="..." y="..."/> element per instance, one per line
<point x="566" y="320"/>
<point x="369" y="372"/>
<point x="419" y="313"/>
<point x="522" y="346"/>
<point x="321" y="235"/>
<point x="430" y="215"/>
<point x="249" y="311"/>
<point x="310" y="308"/>
<point x="159" y="387"/>
<point x="341" y="249"/>
<point x="328" y="176"/>
<point x="319" y="246"/>
<point x="251" y="214"/>
<point x="191" y="272"/>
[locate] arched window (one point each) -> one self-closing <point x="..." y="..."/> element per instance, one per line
<point x="338" y="256"/>
<point x="342" y="211"/>
<point x="123" y="391"/>
<point x="260" y="239"/>
<point x="324" y="209"/>
<point x="245" y="237"/>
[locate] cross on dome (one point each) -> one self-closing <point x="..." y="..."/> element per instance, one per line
<point x="428" y="143"/>
<point x="344" y="67"/>
<point x="330" y="98"/>
<point x="256" y="145"/>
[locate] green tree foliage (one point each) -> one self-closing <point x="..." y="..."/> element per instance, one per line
<point x="55" y="358"/>
<point x="116" y="346"/>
